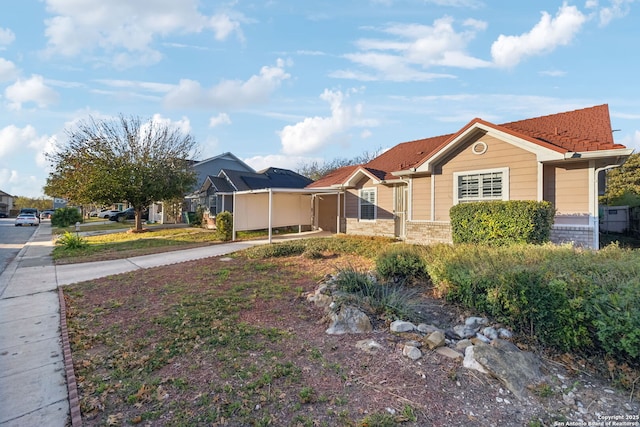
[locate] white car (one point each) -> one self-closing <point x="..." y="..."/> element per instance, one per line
<point x="107" y="213"/>
<point x="27" y="219"/>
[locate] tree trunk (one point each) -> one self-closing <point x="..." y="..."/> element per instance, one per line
<point x="138" y="219"/>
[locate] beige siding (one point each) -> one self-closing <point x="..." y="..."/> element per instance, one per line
<point x="421" y="199"/>
<point x="351" y="203"/>
<point x="567" y="187"/>
<point x="384" y="200"/>
<point x="523" y="171"/>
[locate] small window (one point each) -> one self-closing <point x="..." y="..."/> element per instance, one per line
<point x="368" y="204"/>
<point x="481" y="186"/>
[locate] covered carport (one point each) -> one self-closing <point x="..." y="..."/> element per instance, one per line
<point x="271" y="208"/>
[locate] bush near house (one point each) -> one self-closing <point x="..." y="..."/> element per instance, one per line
<point x="401" y="264"/>
<point x="64" y="217"/>
<point x="502" y="222"/>
<point x="559" y="296"/>
<point x="224" y="226"/>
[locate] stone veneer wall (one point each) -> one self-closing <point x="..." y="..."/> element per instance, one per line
<point x="379" y="227"/>
<point x="424" y="233"/>
<point x="578" y="235"/>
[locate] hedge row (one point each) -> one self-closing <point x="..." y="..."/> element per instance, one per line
<point x="502" y="222"/>
<point x="565" y="298"/>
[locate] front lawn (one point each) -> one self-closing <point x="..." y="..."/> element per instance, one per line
<point x="124" y="244"/>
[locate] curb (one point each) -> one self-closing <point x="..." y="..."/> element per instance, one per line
<point x="72" y="386"/>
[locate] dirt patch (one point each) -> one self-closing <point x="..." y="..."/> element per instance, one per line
<point x="234" y="341"/>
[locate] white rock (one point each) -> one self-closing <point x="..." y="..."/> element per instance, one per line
<point x="411" y="352"/>
<point x="470" y="361"/>
<point x="505" y="334"/>
<point x="402" y="326"/>
<point x="490" y="333"/>
<point x="475" y="322"/>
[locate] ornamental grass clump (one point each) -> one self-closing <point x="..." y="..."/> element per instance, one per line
<point x="391" y="300"/>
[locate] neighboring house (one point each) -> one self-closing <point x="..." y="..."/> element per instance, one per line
<point x="217" y="192"/>
<point x="407" y="191"/>
<point x="267" y="199"/>
<point x="6" y="203"/>
<point x="209" y="167"/>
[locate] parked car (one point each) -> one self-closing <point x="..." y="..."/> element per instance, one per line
<point x="46" y="214"/>
<point x="27" y="219"/>
<point x="3" y="215"/>
<point x="32" y="211"/>
<point x="107" y="213"/>
<point x="128" y="213"/>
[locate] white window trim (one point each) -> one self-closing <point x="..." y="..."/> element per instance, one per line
<point x="375" y="204"/>
<point x="505" y="181"/>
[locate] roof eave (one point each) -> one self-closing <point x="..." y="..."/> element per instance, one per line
<point x="598" y="154"/>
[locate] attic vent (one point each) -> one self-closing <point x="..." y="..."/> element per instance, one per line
<point x="420" y="153"/>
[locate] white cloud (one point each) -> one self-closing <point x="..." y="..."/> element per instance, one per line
<point x="32" y="89"/>
<point x="632" y="141"/>
<point x="315" y="132"/>
<point x="128" y="26"/>
<point x="412" y="48"/>
<point x="17" y="183"/>
<point x="6" y="37"/>
<point x="220" y="119"/>
<point x="16" y="145"/>
<point x="553" y="73"/>
<point x="229" y="93"/>
<point x="473" y="4"/>
<point x="12" y="138"/>
<point x="280" y="161"/>
<point x="617" y="9"/>
<point x="184" y="125"/>
<point x="544" y="37"/>
<point x="8" y="70"/>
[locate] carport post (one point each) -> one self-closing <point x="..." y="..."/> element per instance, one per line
<point x="270" y="211"/>
<point x="233" y="218"/>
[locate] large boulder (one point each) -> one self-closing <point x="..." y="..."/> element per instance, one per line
<point x="516" y="369"/>
<point x="349" y="320"/>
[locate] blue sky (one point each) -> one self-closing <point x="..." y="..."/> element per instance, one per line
<point x="282" y="83"/>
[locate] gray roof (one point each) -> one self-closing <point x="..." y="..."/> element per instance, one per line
<point x="267" y="178"/>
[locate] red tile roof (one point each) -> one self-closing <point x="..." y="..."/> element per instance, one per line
<point x="335" y="177"/>
<point x="587" y="129"/>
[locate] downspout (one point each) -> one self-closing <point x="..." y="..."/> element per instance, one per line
<point x="596" y="214"/>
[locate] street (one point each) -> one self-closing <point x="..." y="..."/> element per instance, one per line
<point x="12" y="239"/>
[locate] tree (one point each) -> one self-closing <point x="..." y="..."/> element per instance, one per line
<point x="623" y="183"/>
<point x="40" y="203"/>
<point x="124" y="159"/>
<point x="314" y="170"/>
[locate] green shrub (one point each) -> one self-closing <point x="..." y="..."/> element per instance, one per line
<point x="401" y="263"/>
<point x="563" y="297"/>
<point x="502" y="222"/>
<point x="277" y="250"/>
<point x="224" y="226"/>
<point x="71" y="241"/>
<point x="64" y="217"/>
<point x="368" y="247"/>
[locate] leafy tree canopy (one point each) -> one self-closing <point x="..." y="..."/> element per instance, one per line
<point x="623" y="183"/>
<point x="123" y="159"/>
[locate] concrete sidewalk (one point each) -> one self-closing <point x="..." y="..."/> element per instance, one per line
<point x="33" y="388"/>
